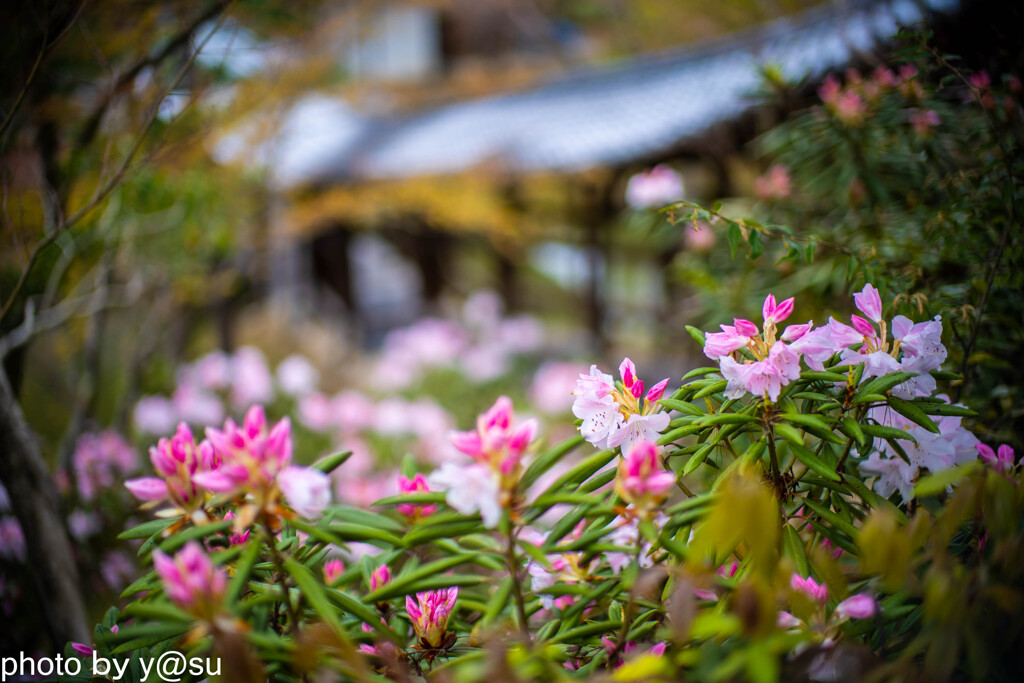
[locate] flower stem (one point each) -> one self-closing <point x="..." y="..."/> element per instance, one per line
<point x="517" y="586"/>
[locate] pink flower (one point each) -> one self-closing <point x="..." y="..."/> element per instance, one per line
<point x="191" y="580"/>
<point x="628" y="649"/>
<point x="12" y="539"/>
<point x="612" y="417"/>
<point x="654" y="188"/>
<point x="251" y="379"/>
<point x="641" y="478"/>
<point x="809" y="587"/>
<point x="82" y="649"/>
<point x="429" y="613"/>
<point x="923" y="121"/>
<point x="731" y="338"/>
<point x="859" y="606"/>
<point x="418" y="484"/>
<point x="154" y="415"/>
<point x="1003" y="461"/>
<point x="307" y="490"/>
<point x="497" y="442"/>
<point x="333" y="569"/>
<point x="380" y="576"/>
<point x="178" y="461"/>
<point x="869" y="302"/>
<point x="639" y="428"/>
<point x="776" y="313"/>
<point x="252" y="455"/>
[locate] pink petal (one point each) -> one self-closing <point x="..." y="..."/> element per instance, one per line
<point x="862" y="326"/>
<point x="657" y="391"/>
<point x="147" y="488"/>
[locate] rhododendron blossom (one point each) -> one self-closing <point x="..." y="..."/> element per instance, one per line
<point x="857" y="607"/>
<point x="1003" y="461"/>
<point x="641" y="478"/>
<point x="497" y="445"/>
<point x="623" y="415"/>
<point x="191" y="580"/>
<point x="809" y="587"/>
<point x="333" y="569"/>
<point x="412" y="511"/>
<point x="775" y="363"/>
<point x="429" y="613"/>
<point x="178" y="461"/>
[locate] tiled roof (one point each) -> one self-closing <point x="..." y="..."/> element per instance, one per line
<point x="610" y="114"/>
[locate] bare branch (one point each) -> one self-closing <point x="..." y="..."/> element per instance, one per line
<point x="103" y="191"/>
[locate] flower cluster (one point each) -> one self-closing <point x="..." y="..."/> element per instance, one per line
<point x="250" y="461"/>
<point x="618" y="415"/>
<point x="758" y="362"/>
<point x="497" y="446"/>
<point x="654" y="188"/>
<point x="773" y="364"/>
<point x="99" y="461"/>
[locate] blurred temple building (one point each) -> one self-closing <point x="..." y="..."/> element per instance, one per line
<point x="376" y="201"/>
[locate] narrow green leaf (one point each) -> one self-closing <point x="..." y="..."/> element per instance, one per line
<point x="329" y="463"/>
<point x="145" y="530"/>
<point x="913" y="413"/>
<point x="793" y="546"/>
<point x="242" y="569"/>
<point x="697" y="335"/>
<point x="547" y="460"/>
<point x="831" y="517"/>
<point x="813" y="462"/>
<point x="936" y="483"/>
<point x="400" y="585"/>
<point x="682" y="406"/>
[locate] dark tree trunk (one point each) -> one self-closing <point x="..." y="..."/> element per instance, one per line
<point x="38" y="509"/>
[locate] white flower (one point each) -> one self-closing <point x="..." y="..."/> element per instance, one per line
<point x="893" y="474"/>
<point x="307" y="490"/>
<point x="601" y="418"/>
<point x="639" y="428"/>
<point x="468" y="489"/>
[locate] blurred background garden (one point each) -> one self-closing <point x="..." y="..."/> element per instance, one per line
<point x="376" y="217"/>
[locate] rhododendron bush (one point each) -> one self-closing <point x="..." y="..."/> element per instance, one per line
<point x="806" y="505"/>
<point x="820" y="500"/>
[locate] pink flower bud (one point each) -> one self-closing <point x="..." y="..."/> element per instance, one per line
<point x="333" y="569"/>
<point x="190" y="578"/>
<point x="628" y="372"/>
<point x="657" y="391"/>
<point x="429" y="613"/>
<point x="869" y="302"/>
<point x="857" y="607"/>
<point x="744" y="327"/>
<point x="417" y="484"/>
<point x="809" y="587"/>
<point x="380" y="576"/>
<point x="82" y="649"/>
<point x="147" y="488"/>
<point x="862" y="326"/>
<point x="641" y="478"/>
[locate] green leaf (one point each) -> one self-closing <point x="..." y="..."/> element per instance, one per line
<point x="697" y="335"/>
<point x="756" y="245"/>
<point x="944" y="409"/>
<point x="725" y="419"/>
<point x="157" y="611"/>
<point x="241" y="574"/>
<point x="711" y="389"/>
<point x="329" y="463"/>
<point x="913" y="413"/>
<point x="678" y="433"/>
<point x="432" y="497"/>
<point x="822" y="376"/>
<point x="793" y="546"/>
<point x="179" y="539"/>
<point x="852" y="430"/>
<point x="831" y="517"/>
<point x="145" y="530"/>
<point x="359" y="532"/>
<point x="936" y="483"/>
<point x="682" y="406"/>
<point x="735" y="236"/>
<point x="789" y="433"/>
<point x="370" y="518"/>
<point x="314" y="593"/>
<point x="880" y="385"/>
<point x="547" y="460"/>
<point x="582" y="471"/>
<point x="498" y="601"/>
<point x="698" y="372"/>
<point x="813" y="462"/>
<point x="884" y="432"/>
